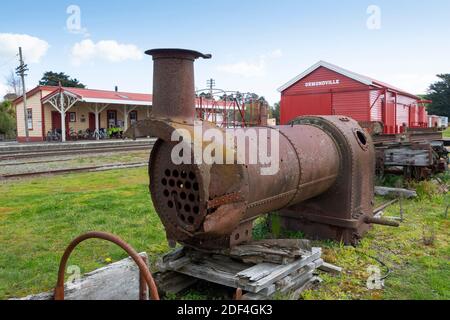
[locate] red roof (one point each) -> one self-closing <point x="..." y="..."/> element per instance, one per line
<point x="110" y="95"/>
<point x="92" y="95"/>
<point x="33" y="92"/>
<point x="350" y="74"/>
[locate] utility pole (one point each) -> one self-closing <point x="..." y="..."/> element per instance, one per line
<point x="63" y="114"/>
<point x="211" y="83"/>
<point x="20" y="71"/>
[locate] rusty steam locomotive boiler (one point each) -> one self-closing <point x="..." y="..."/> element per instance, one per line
<point x="324" y="185"/>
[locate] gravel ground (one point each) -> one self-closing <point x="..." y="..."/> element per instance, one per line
<point x="72" y="161"/>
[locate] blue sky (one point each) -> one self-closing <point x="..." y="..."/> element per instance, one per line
<point x="256" y="45"/>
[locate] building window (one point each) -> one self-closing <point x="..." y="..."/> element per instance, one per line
<point x="133" y="117"/>
<point x="72" y="117"/>
<point x="112" y="119"/>
<point x="30" y="119"/>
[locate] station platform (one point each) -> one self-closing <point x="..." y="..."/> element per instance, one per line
<point x="42" y="146"/>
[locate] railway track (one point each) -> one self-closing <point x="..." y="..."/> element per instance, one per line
<point x="10" y="164"/>
<point x="14" y="155"/>
<point x="72" y="170"/>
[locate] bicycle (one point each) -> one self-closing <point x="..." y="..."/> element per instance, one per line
<point x="53" y="135"/>
<point x="99" y="134"/>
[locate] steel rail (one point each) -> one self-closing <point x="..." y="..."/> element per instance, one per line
<point x="65" y="147"/>
<point x="25" y="155"/>
<point x="84" y="169"/>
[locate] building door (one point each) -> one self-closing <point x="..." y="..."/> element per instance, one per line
<point x="92" y="121"/>
<point x="112" y="118"/>
<point x="56" y="122"/>
<point x="305" y="105"/>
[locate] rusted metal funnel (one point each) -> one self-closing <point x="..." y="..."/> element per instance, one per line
<point x="173" y="83"/>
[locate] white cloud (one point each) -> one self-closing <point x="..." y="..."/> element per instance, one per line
<point x="33" y="48"/>
<point x="107" y="50"/>
<point x="256" y="68"/>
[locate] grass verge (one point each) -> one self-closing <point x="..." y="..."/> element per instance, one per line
<point x="447" y="133"/>
<point x="39" y="217"/>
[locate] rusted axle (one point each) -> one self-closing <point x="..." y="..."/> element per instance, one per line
<point x="383" y="222"/>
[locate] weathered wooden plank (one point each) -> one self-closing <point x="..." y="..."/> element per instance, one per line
<point x="294" y="295"/>
<point x="407" y="156"/>
<point x="177" y="264"/>
<point x="272" y="251"/>
<point x="260" y="271"/>
<point x="224" y="270"/>
<point x="289" y="281"/>
<point x="254" y="297"/>
<point x="383" y="191"/>
<point x="294" y="280"/>
<point x="173" y="282"/>
<point x="229" y="264"/>
<point x="219" y="272"/>
<point x="164" y="264"/>
<point x="256" y="272"/>
<point x="328" y="267"/>
<point x="211" y="272"/>
<point x="117" y="281"/>
<point x="284" y="270"/>
<point x="277" y="259"/>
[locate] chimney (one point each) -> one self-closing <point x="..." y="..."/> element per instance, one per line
<point x="116" y="89"/>
<point x="173" y="83"/>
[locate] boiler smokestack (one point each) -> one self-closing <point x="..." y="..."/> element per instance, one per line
<point x="173" y="83"/>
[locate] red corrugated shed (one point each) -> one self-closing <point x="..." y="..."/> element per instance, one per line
<point x="326" y="89"/>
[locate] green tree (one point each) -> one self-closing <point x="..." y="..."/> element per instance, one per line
<point x="439" y="94"/>
<point x="54" y="78"/>
<point x="7" y="119"/>
<point x="275" y="112"/>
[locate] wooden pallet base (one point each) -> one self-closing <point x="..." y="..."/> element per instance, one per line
<point x="261" y="269"/>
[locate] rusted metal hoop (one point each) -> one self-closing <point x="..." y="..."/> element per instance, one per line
<point x="144" y="271"/>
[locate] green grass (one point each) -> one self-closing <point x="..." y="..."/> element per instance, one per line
<point x="419" y="271"/>
<point x="39" y="217"/>
<point x="447" y="133"/>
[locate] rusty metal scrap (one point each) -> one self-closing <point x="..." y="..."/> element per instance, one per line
<point x="146" y="278"/>
<point x="324" y="185"/>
